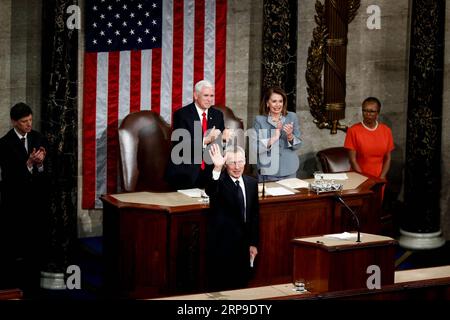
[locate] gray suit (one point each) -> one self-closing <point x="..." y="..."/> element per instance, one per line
<point x="281" y="159"/>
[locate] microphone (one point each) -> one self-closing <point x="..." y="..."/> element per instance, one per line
<point x="339" y="198"/>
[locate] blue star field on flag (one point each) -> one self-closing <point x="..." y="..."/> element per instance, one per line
<point x="116" y="25"/>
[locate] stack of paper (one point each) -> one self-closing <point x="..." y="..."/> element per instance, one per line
<point x="334" y="176"/>
<point x="342" y="236"/>
<point x="192" y="193"/>
<point x="278" y="191"/>
<point x="294" y="183"/>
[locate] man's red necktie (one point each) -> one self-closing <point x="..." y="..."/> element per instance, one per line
<point x="204" y="128"/>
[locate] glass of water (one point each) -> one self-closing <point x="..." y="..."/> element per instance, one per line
<point x="299" y="285"/>
<point x="318" y="175"/>
<point x="205" y="197"/>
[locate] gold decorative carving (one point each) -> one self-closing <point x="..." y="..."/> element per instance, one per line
<point x="353" y="6"/>
<point x="314" y="67"/>
<point x="328" y="107"/>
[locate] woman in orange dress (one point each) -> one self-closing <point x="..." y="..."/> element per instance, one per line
<point x="369" y="142"/>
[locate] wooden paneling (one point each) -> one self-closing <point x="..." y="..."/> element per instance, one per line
<point x="279" y="224"/>
<point x="11" y="294"/>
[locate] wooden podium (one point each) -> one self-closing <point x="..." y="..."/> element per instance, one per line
<point x="332" y="264"/>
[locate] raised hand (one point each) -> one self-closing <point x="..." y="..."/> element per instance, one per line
<point x="216" y="157"/>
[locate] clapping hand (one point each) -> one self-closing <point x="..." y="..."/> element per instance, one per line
<point x="227" y="134"/>
<point x="277" y="134"/>
<point x="37" y="157"/>
<point x="212" y="135"/>
<point x="289" y="129"/>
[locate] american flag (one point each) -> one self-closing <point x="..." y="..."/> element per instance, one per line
<point x="143" y="55"/>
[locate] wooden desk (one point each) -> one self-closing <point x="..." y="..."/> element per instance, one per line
<point x="11" y="294"/>
<point x="330" y="264"/>
<point x="158" y="250"/>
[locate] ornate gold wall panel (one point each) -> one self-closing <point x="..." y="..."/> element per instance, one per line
<point x="328" y="52"/>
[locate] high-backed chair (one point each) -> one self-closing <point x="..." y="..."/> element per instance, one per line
<point x="233" y="122"/>
<point x="144" y="144"/>
<point x="230" y="119"/>
<point x="334" y="160"/>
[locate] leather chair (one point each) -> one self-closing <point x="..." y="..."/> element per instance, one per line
<point x="334" y="160"/>
<point x="144" y="147"/>
<point x="233" y="122"/>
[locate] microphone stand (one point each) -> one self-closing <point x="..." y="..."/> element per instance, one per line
<point x="264" y="187"/>
<point x="339" y="198"/>
<point x="264" y="183"/>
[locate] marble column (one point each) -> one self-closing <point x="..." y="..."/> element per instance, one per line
<point x="420" y="226"/>
<point x="59" y="123"/>
<point x="279" y="57"/>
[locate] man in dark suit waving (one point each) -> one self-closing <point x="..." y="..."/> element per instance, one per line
<point x="233" y="221"/>
<point x="195" y="127"/>
<point x="22" y="207"/>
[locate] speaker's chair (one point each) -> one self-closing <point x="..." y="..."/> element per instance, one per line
<point x="144" y="143"/>
<point x="334" y="160"/>
<point x="235" y="123"/>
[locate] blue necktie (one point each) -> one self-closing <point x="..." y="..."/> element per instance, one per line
<point x="240" y="197"/>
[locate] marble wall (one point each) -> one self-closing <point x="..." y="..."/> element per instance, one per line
<point x="5" y="65"/>
<point x="20" y="58"/>
<point x="377" y="65"/>
<point x="445" y="163"/>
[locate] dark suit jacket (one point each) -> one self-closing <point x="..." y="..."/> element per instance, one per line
<point x="189" y="175"/>
<point x="229" y="237"/>
<point x="23" y="193"/>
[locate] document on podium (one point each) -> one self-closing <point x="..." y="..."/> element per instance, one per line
<point x="334" y="176"/>
<point x="192" y="193"/>
<point x="342" y="236"/>
<point x="293" y="183"/>
<point x="278" y="191"/>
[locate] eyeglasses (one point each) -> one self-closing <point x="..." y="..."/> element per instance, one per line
<point x="369" y="111"/>
<point x="235" y="163"/>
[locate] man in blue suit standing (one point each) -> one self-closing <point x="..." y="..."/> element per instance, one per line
<point x="198" y="125"/>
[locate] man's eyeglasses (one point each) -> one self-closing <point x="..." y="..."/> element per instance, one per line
<point x="369" y="111"/>
<point x="235" y="163"/>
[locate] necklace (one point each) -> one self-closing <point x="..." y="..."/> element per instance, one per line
<point x="370" y="129"/>
<point x="275" y="118"/>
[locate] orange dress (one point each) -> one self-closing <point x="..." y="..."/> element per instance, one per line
<point x="370" y="146"/>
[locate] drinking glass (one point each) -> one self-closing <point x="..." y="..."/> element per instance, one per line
<point x="205" y="197"/>
<point x="299" y="285"/>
